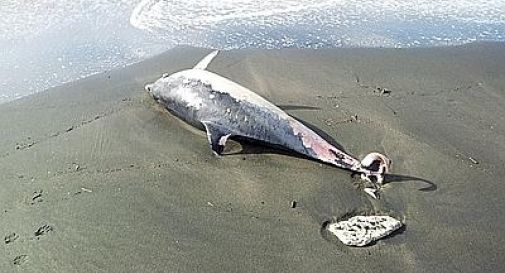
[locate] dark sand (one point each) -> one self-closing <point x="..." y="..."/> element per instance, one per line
<point x="112" y="183"/>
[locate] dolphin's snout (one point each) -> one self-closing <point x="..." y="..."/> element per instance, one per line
<point x="149" y="88"/>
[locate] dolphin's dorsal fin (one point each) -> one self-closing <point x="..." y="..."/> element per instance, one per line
<point x="206" y="60"/>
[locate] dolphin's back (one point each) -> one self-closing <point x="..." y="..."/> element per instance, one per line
<point x="199" y="96"/>
<point x="223" y="85"/>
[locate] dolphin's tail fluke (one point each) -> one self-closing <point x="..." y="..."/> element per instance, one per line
<point x="375" y="165"/>
<point x="206" y="60"/>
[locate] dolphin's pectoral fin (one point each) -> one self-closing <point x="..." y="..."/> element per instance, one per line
<point x="217" y="136"/>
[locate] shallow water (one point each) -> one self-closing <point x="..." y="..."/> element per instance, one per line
<point x="47" y="43"/>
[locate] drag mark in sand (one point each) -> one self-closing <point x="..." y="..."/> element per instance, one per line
<point x="30" y="142"/>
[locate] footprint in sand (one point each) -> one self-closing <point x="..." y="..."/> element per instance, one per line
<point x="43" y="230"/>
<point x="36" y="197"/>
<point x="19" y="260"/>
<point x="11" y="238"/>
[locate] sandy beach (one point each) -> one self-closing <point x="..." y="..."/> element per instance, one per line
<point x="96" y="177"/>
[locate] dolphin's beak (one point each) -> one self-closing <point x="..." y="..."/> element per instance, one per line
<point x="149" y="88"/>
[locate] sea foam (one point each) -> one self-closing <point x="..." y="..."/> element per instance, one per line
<point x="311" y="23"/>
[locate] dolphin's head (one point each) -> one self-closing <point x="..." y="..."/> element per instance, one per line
<point x="154" y="89"/>
<point x="150" y="89"/>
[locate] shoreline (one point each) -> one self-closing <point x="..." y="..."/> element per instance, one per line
<point x="6" y="99"/>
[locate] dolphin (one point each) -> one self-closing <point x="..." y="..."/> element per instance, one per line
<point x="226" y="109"/>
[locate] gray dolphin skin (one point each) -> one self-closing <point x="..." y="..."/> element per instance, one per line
<point x="225" y="109"/>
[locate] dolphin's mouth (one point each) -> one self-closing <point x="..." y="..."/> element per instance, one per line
<point x="149" y="88"/>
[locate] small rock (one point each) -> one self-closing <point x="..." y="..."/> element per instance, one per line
<point x="363" y="230"/>
<point x="86" y="190"/>
<point x="372" y="192"/>
<point x="473" y="160"/>
<point x="382" y="90"/>
<point x="385" y="91"/>
<point x="293" y="204"/>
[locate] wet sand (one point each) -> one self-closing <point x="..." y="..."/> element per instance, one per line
<point x="96" y="178"/>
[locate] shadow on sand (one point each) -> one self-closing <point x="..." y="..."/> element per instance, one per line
<point x="397" y="178"/>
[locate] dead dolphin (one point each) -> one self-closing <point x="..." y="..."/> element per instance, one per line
<point x="224" y="109"/>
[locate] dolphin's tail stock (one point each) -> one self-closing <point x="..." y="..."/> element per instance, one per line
<point x="374" y="166"/>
